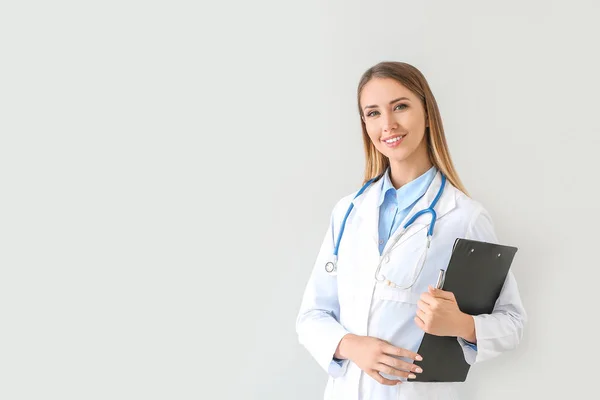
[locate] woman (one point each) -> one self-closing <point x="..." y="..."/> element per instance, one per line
<point x="365" y="331"/>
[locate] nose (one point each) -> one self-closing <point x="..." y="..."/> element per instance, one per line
<point x="389" y="123"/>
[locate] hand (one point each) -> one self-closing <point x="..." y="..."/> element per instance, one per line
<point x="374" y="355"/>
<point x="438" y="314"/>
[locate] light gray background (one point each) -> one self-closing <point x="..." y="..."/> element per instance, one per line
<point x="167" y="170"/>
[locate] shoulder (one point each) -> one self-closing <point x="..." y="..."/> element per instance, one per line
<point x="467" y="205"/>
<point x="342" y="205"/>
<point x="479" y="224"/>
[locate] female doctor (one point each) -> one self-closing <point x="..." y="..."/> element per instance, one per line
<point x="371" y="296"/>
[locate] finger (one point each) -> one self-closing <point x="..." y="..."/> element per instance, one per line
<point x="441" y="294"/>
<point x="400" y="365"/>
<point x="386" y="369"/>
<point x="384" y="381"/>
<point x="420" y="323"/>
<point x="427" y="298"/>
<point x="400" y="352"/>
<point x="424" y="307"/>
<point x="429" y="304"/>
<point x="422" y="316"/>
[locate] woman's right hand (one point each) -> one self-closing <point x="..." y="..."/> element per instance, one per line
<point x="374" y="355"/>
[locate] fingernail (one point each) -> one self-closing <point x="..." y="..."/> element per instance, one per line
<point x="419" y="370"/>
<point x="412" y="376"/>
<point x="419" y="358"/>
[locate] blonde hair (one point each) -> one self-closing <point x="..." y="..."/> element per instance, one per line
<point x="437" y="148"/>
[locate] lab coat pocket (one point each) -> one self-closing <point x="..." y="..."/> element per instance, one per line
<point x="403" y="265"/>
<point x="384" y="292"/>
<point x="392" y="317"/>
<point x="398" y="261"/>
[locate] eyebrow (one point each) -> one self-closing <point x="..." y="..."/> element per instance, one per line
<point x="391" y="102"/>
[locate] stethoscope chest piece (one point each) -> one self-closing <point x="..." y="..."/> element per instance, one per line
<point x="331" y="267"/>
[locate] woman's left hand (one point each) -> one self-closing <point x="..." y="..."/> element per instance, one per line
<point x="438" y="314"/>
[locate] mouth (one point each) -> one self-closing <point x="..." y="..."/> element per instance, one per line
<point x="393" y="141"/>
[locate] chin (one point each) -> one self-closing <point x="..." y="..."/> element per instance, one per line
<point x="397" y="159"/>
<point x="397" y="156"/>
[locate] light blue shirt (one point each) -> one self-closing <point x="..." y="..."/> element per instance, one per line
<point x="394" y="205"/>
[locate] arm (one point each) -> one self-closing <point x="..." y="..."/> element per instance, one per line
<point x="501" y="330"/>
<point x="317" y="324"/>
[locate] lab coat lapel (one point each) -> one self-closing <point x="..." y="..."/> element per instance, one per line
<point x="367" y="210"/>
<point x="445" y="204"/>
<point x="367" y="213"/>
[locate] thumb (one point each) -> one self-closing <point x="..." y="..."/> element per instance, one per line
<point x="441" y="293"/>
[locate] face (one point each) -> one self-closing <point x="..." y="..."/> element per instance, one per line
<point x="395" y="120"/>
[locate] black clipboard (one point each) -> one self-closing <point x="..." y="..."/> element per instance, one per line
<point x="475" y="274"/>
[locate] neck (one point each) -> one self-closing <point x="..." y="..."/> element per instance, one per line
<point x="403" y="172"/>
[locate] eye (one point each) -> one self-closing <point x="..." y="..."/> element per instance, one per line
<point x="401" y="106"/>
<point x="372" y="113"/>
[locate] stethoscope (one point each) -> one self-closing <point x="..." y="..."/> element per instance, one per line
<point x="331" y="266"/>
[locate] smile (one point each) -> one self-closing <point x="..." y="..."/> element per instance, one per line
<point x="393" y="141"/>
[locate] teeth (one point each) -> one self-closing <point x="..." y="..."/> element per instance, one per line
<point x="394" y="139"/>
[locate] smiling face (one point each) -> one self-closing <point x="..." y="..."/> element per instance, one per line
<point x="395" y="121"/>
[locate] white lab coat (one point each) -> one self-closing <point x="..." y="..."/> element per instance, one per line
<point x="353" y="302"/>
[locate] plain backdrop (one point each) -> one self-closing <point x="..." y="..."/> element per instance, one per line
<point x="167" y="171"/>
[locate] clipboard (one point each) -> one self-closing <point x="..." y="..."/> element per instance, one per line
<point x="475" y="274"/>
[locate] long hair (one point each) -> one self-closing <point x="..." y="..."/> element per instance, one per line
<point x="437" y="148"/>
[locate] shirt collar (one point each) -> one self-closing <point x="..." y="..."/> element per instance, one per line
<point x="408" y="193"/>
